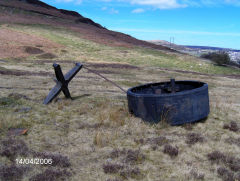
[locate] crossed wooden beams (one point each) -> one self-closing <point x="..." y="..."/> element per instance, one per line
<point x="62" y="82"/>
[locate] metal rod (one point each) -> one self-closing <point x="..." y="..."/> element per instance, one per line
<point x="173" y="90"/>
<point x="95" y="72"/>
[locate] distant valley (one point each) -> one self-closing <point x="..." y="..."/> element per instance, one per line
<point x="199" y="50"/>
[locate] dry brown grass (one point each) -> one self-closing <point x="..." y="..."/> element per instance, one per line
<point x="101" y="139"/>
<point x="112" y="115"/>
<point x="89" y="128"/>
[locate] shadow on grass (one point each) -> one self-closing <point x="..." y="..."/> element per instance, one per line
<point x="82" y="96"/>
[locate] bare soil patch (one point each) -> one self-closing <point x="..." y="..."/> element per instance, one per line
<point x="17" y="44"/>
<point x="33" y="50"/>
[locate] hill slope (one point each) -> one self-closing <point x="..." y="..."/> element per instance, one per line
<point x="34" y="11"/>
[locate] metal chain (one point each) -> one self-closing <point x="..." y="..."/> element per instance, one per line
<point x="97" y="73"/>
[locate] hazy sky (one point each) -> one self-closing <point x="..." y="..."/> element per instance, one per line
<point x="190" y="22"/>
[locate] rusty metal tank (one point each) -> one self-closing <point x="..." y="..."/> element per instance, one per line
<point x="176" y="102"/>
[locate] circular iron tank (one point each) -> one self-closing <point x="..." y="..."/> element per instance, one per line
<point x="174" y="102"/>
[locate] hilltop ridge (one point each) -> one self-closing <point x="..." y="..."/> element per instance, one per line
<point x="39" y="7"/>
<point x="32" y="11"/>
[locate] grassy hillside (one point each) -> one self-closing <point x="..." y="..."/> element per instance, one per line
<point x="74" y="47"/>
<point x="94" y="137"/>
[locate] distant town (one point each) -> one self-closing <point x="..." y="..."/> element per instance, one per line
<point x="199" y="50"/>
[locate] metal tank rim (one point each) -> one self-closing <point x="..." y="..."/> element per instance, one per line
<point x="182" y="93"/>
